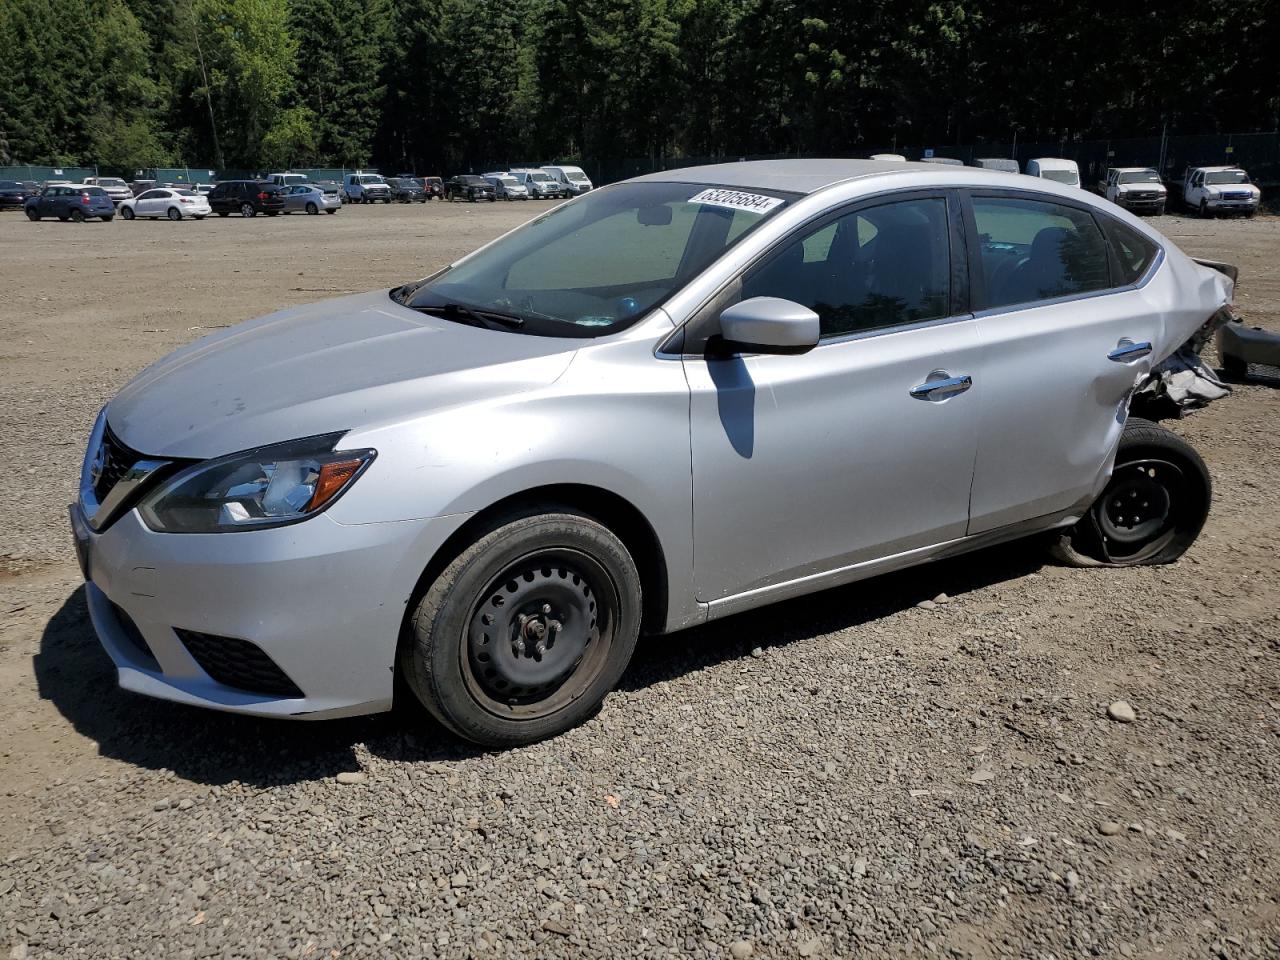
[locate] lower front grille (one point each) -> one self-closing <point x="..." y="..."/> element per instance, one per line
<point x="237" y="663"/>
<point x="132" y="634"/>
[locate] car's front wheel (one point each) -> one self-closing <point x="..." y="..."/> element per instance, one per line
<point x="1152" y="509"/>
<point x="523" y="634"/>
<point x="32" y="215"/>
<point x="128" y="214"/>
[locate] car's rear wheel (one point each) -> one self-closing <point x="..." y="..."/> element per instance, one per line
<point x="128" y="214"/>
<point x="174" y="214"/>
<point x="1152" y="509"/>
<point x="246" y="210"/>
<point x="312" y="209"/>
<point x="523" y="634"/>
<point x="77" y="216"/>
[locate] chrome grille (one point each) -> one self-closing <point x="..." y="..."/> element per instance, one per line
<point x="110" y="464"/>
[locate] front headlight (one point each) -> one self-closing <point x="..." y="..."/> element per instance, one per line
<point x="265" y="487"/>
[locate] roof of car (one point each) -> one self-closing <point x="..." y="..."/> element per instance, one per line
<point x="1216" y="169"/>
<point x="1133" y="169"/>
<point x="795" y="176"/>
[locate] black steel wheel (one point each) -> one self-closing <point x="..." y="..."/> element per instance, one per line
<point x="1152" y="509"/>
<point x="523" y="634"/>
<point x="77" y="215"/>
<point x="32" y="215"/>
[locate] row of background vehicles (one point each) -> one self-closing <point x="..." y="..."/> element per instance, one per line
<point x="1208" y="191"/>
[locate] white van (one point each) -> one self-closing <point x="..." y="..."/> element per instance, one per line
<point x="572" y="179"/>
<point x="1055" y="169"/>
<point x="286" y="179"/>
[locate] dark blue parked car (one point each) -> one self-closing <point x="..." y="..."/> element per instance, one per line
<point x="70" y="202"/>
<point x="12" y="194"/>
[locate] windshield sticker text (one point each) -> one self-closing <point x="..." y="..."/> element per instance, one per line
<point x="736" y="200"/>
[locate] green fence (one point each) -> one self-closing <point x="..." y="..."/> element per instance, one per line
<point x="40" y="174"/>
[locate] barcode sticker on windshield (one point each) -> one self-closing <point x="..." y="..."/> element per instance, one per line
<point x="736" y="200"/>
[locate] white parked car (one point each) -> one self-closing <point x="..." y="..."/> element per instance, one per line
<point x="572" y="179"/>
<point x="1214" y="190"/>
<point x="1055" y="169"/>
<point x="1135" y="188"/>
<point x="1003" y="164"/>
<point x="171" y="202"/>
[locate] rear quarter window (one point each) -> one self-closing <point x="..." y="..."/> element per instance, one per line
<point x="1134" y="252"/>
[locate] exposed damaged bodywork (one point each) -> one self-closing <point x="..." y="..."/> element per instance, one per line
<point x="1183" y="382"/>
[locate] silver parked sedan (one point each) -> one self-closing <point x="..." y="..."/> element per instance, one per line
<point x="666" y="401"/>
<point x="311" y="198"/>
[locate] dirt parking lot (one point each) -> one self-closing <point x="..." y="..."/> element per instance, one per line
<point x="854" y="774"/>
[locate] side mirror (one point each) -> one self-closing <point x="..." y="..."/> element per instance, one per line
<point x="769" y="325"/>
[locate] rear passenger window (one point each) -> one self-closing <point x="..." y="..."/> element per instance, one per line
<point x="1133" y="251"/>
<point x="1037" y="250"/>
<point x="879" y="267"/>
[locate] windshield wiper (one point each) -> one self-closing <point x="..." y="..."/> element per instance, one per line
<point x="460" y="312"/>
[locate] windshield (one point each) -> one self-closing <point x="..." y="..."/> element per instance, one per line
<point x="1226" y="176"/>
<point x="369" y="178"/>
<point x="10" y="185"/>
<point x="538" y="176"/>
<point x="1140" y="176"/>
<point x="110" y="182"/>
<point x="1061" y="176"/>
<point x="595" y="266"/>
<point x="94" y="191"/>
<point x="186" y="193"/>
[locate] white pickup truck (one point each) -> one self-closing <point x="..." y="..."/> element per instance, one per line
<point x="1215" y="190"/>
<point x="1135" y="188"/>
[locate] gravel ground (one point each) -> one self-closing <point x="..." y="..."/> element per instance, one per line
<point x="926" y="764"/>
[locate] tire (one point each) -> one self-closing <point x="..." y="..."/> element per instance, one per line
<point x="224" y="213"/>
<point x="33" y="216"/>
<point x="499" y="691"/>
<point x="1166" y="483"/>
<point x="1204" y="209"/>
<point x="312" y="209"/>
<point x="108" y="218"/>
<point x="272" y="213"/>
<point x="1235" y="367"/>
<point x="331" y="212"/>
<point x="246" y="210"/>
<point x="174" y="214"/>
<point x="77" y="216"/>
<point x="200" y="216"/>
<point x="128" y="214"/>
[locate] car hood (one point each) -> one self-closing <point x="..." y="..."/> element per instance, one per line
<point x="345" y="363"/>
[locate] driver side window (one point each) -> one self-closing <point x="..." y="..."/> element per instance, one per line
<point x="878" y="267"/>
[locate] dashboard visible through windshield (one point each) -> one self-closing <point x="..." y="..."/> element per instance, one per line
<point x="596" y="265"/>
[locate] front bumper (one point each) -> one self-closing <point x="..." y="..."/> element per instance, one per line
<point x="1241" y="205"/>
<point x="1141" y="203"/>
<point x="324" y="601"/>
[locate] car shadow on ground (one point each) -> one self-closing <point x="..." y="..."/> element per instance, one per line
<point x="75" y="674"/>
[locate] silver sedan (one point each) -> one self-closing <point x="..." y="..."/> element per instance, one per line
<point x="663" y="402"/>
<point x="311" y="198"/>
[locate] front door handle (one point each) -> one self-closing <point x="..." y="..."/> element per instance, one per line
<point x="941" y="385"/>
<point x="1127" y="351"/>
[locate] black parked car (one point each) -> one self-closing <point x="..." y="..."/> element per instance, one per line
<point x="13" y="195"/>
<point x="70" y="202"/>
<point x="467" y="186"/>
<point x="246" y="197"/>
<point x="407" y="189"/>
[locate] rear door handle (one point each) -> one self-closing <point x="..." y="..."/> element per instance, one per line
<point x="1127" y="351"/>
<point x="941" y="385"/>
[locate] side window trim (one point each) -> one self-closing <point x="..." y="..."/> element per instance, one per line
<point x="691" y="337"/>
